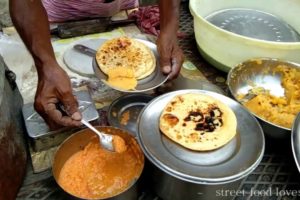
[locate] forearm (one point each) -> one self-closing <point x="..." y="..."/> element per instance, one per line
<point x="169" y="15"/>
<point x="30" y="20"/>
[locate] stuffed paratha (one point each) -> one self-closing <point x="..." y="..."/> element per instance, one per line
<point x="198" y="122"/>
<point x="128" y="53"/>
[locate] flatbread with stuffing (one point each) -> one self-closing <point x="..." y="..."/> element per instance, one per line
<point x="128" y="53"/>
<point x="198" y="122"/>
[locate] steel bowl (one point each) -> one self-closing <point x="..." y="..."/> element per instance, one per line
<point x="77" y="142"/>
<point x="259" y="73"/>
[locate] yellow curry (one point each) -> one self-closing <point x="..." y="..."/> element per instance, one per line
<point x="281" y="111"/>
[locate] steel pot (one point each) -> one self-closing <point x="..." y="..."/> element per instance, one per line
<point x="79" y="140"/>
<point x="184" y="174"/>
<point x="170" y="188"/>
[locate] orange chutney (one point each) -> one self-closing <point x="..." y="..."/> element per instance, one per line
<point x="95" y="173"/>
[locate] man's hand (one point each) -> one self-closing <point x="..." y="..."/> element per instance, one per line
<point x="30" y="20"/>
<point x="54" y="87"/>
<point x="171" y="56"/>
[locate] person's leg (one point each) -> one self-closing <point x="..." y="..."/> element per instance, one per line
<point x="12" y="146"/>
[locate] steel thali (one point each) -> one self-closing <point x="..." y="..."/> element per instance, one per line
<point x="229" y="163"/>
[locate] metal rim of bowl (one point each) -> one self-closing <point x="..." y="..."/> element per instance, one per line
<point x="229" y="75"/>
<point x="258" y="42"/>
<point x="295" y="143"/>
<point x="82" y="130"/>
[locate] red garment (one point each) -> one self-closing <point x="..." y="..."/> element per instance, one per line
<point x="147" y="19"/>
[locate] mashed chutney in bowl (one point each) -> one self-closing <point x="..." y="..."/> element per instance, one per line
<point x="84" y="169"/>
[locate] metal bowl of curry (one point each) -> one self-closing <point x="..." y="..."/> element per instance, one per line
<point x="270" y="90"/>
<point x="84" y="170"/>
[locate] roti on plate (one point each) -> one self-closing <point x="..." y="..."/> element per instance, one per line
<point x="128" y="53"/>
<point x="198" y="122"/>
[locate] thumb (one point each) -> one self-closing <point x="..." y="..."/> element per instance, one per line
<point x="71" y="106"/>
<point x="165" y="63"/>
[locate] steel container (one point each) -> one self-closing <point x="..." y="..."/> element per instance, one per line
<point x="75" y="143"/>
<point x="179" y="173"/>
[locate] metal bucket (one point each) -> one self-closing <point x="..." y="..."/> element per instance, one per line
<point x="75" y="143"/>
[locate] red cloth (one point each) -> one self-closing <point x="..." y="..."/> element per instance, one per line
<point x="147" y="19"/>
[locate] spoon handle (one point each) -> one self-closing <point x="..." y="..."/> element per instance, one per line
<point x="85" y="50"/>
<point x="91" y="127"/>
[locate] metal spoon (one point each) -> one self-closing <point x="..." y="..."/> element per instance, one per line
<point x="106" y="140"/>
<point x="252" y="93"/>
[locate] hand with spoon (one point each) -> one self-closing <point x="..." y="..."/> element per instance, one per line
<point x="109" y="142"/>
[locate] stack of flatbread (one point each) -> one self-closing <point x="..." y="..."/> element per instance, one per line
<point x="125" y="61"/>
<point x="198" y="122"/>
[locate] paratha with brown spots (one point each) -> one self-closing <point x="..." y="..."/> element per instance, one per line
<point x="198" y="122"/>
<point x="128" y="53"/>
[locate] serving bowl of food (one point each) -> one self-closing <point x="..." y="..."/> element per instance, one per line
<point x="228" y="32"/>
<point x="270" y="90"/>
<point x="84" y="170"/>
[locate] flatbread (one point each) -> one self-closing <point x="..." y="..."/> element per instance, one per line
<point x="128" y="53"/>
<point x="198" y="122"/>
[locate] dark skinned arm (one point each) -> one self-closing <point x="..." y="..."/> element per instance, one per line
<point x="30" y="20"/>
<point x="171" y="57"/>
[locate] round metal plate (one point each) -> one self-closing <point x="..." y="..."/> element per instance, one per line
<point x="235" y="160"/>
<point x="296" y="141"/>
<point x="81" y="63"/>
<point x="154" y="80"/>
<point x="130" y="104"/>
<point x="254" y="24"/>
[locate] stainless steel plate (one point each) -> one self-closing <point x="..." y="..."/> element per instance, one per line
<point x="154" y="80"/>
<point x="130" y="104"/>
<point x="233" y="161"/>
<point x="81" y="63"/>
<point x="254" y="24"/>
<point x="296" y="141"/>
